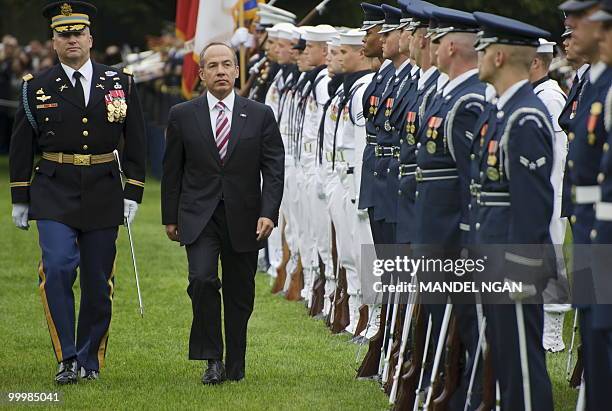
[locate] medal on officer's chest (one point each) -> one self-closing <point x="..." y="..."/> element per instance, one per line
<point x="574" y="109"/>
<point x="410" y="127"/>
<point x="116" y="107"/>
<point x="492" y="173"/>
<point x="492" y="157"/>
<point x="433" y="125"/>
<point x="345" y="113"/>
<point x="483" y="133"/>
<point x="388" y="108"/>
<point x="596" y="109"/>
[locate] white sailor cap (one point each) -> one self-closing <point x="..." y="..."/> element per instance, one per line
<point x="284" y="31"/>
<point x="334" y="41"/>
<point x="298" y="32"/>
<point x="273" y="31"/>
<point x="267" y="19"/>
<point x="321" y="33"/>
<point x="352" y="38"/>
<point x="546" y="46"/>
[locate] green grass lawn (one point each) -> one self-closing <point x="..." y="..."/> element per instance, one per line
<point x="293" y="362"/>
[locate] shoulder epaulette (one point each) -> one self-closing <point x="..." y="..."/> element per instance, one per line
<point x="128" y="71"/>
<point x="28" y="77"/>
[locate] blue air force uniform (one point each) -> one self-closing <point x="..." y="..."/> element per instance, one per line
<point x="512" y="158"/>
<point x="373" y="16"/>
<point x="76" y="192"/>
<point x="592" y="131"/>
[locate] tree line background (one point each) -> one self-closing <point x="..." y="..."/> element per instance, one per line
<point x="121" y="21"/>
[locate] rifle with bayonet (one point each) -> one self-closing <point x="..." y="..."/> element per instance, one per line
<point x="452" y="359"/>
<point x="318" y="291"/>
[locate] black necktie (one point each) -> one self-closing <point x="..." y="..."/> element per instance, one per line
<point x="78" y="86"/>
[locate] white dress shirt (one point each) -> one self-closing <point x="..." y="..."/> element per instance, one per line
<point x="452" y="84"/>
<point x="214" y="111"/>
<point x="86" y="71"/>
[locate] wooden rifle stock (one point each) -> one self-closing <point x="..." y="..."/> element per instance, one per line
<point x="576" y="378"/>
<point x="362" y="324"/>
<point x="296" y="283"/>
<point x="281" y="270"/>
<point x="452" y="360"/>
<point x="333" y="297"/>
<point x="341" y="309"/>
<point x="318" y="291"/>
<point x="488" y="383"/>
<point x="371" y="361"/>
<point x="411" y="368"/>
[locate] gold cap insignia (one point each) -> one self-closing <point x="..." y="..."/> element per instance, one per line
<point x="66" y="9"/>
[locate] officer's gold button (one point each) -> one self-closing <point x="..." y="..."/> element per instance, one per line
<point x="573" y="219"/>
<point x="46" y="119"/>
<point x="472" y="156"/>
<point x="388" y="170"/>
<point x="606" y="147"/>
<point x="416" y="193"/>
<point x="85" y="147"/>
<point x="601" y="177"/>
<point x="593" y="234"/>
<point x="477" y="226"/>
<point x="571" y="136"/>
<point x="84" y="120"/>
<point x="570" y="163"/>
<point x="375" y="174"/>
<point x="401" y="141"/>
<point x="85" y="133"/>
<point x="399" y="192"/>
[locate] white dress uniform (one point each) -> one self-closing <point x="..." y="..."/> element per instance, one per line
<point x="557" y="290"/>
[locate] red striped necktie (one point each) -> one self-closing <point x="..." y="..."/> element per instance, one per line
<point x="222" y="132"/>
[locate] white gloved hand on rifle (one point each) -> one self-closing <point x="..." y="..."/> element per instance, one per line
<point x="130" y="207"/>
<point x="20" y="216"/>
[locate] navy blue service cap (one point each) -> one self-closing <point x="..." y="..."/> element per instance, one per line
<point x="69" y="16"/>
<point x="503" y="30"/>
<point x="452" y="21"/>
<point x="577" y="6"/>
<point x="393" y="15"/>
<point x="605" y="14"/>
<point x="413" y="14"/>
<point x="373" y="15"/>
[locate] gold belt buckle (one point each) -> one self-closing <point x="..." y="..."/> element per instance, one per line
<point x="82" y="159"/>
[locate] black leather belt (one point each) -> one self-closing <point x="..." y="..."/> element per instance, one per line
<point x="371" y="139"/>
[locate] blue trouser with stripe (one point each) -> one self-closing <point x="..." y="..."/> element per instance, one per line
<point x="63" y="250"/>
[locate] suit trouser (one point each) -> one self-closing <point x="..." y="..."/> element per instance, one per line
<point x="238" y="275"/>
<point x="63" y="250"/>
<point x="597" y="354"/>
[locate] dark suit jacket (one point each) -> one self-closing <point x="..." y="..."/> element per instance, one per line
<point x="195" y="180"/>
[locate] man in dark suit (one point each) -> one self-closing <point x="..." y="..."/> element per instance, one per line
<point x="219" y="147"/>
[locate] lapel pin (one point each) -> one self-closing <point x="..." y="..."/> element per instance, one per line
<point x="117" y="86"/>
<point x="102" y="78"/>
<point x="243" y="115"/>
<point x="110" y="73"/>
<point x="58" y="79"/>
<point x="40" y="91"/>
<point x="100" y="86"/>
<point x="63" y="87"/>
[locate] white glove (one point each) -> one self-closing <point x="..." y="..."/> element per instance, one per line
<point x="20" y="216"/>
<point x="528" y="290"/>
<point x="362" y="214"/>
<point x="241" y="37"/>
<point x="129" y="210"/>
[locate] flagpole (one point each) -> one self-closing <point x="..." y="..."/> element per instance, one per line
<point x="242" y="48"/>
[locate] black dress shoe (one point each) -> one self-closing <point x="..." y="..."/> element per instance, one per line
<point x="236" y="376"/>
<point x="90" y="375"/>
<point x="214" y="374"/>
<point x="66" y="373"/>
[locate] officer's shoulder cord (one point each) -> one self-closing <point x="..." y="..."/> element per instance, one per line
<point x="26" y="103"/>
